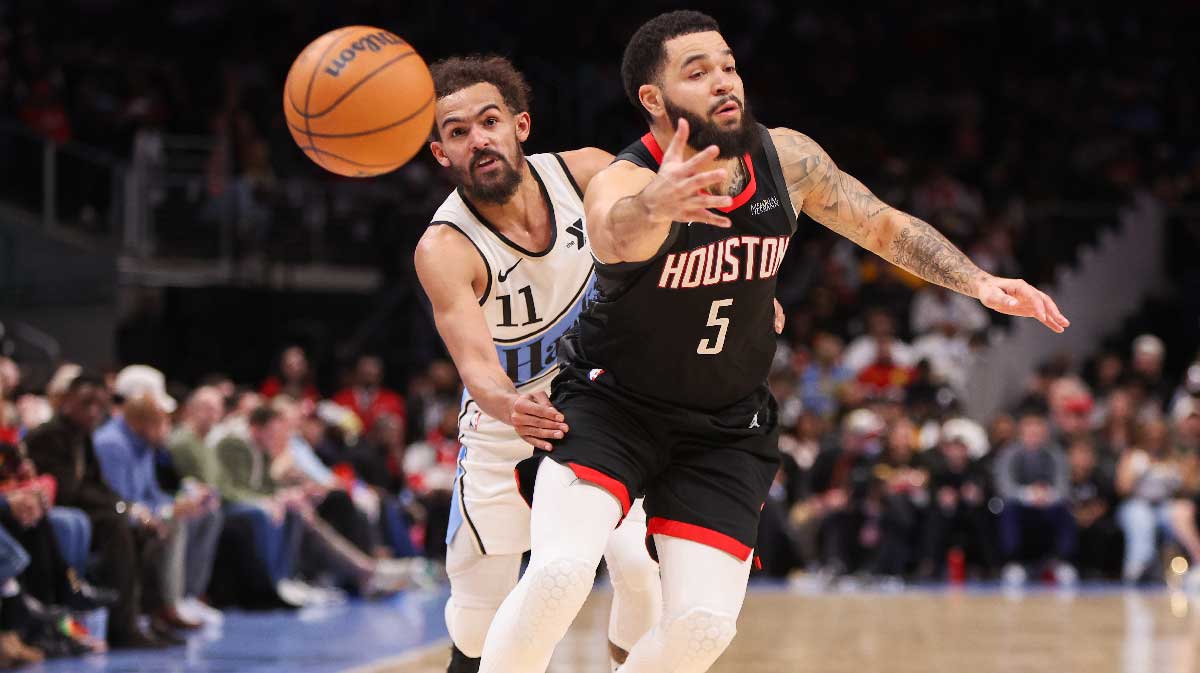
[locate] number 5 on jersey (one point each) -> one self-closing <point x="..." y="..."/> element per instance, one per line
<point x="714" y="346"/>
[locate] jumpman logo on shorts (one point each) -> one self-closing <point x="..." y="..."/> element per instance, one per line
<point x="754" y="421"/>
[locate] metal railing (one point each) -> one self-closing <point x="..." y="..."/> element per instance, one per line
<point x="73" y="189"/>
<point x="167" y="203"/>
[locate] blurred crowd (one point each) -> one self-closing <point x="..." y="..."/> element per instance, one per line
<point x="114" y="493"/>
<point x="1097" y="102"/>
<point x="1095" y="473"/>
<point x="165" y="503"/>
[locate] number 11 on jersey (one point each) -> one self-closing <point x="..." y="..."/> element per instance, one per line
<point x="714" y="346"/>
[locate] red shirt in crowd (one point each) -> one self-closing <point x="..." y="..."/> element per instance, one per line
<point x="273" y="386"/>
<point x="371" y="404"/>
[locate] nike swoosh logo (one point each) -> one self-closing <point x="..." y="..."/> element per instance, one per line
<point x="504" y="274"/>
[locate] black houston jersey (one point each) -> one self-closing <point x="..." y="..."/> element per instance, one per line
<point x="694" y="325"/>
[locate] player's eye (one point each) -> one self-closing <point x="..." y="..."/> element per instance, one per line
<point x="730" y="68"/>
<point x="456" y="132"/>
<point x="696" y="75"/>
<point x="491" y="121"/>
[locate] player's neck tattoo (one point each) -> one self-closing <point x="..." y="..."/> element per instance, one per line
<point x="739" y="176"/>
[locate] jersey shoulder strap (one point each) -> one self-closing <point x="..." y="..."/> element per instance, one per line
<point x="785" y="197"/>
<point x="643" y="152"/>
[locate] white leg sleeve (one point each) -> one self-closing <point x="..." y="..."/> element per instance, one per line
<point x="478" y="585"/>
<point x="569" y="527"/>
<point x="703" y="592"/>
<point x="637" y="592"/>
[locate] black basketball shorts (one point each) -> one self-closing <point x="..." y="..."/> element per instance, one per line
<point x="705" y="476"/>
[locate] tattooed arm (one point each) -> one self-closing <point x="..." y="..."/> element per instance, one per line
<point x="837" y="200"/>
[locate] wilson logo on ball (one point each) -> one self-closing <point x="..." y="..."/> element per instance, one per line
<point x="371" y="43"/>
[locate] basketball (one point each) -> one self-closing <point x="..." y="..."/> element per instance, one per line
<point x="359" y="101"/>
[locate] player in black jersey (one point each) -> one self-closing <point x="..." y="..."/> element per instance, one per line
<point x="664" y="383"/>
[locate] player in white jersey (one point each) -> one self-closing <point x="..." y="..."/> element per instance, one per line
<point x="507" y="267"/>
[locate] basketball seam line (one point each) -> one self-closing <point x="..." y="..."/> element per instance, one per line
<point x="374" y="130"/>
<point x="354" y="88"/>
<point x="339" y="157"/>
<point x="308" y="92"/>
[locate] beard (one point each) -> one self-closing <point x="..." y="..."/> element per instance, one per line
<point x="704" y="131"/>
<point x="496" y="188"/>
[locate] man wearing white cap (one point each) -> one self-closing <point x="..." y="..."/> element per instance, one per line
<point x="191" y="521"/>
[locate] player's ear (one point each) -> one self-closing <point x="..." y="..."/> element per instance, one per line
<point x="651" y="98"/>
<point x="523" y="122"/>
<point x="439" y="153"/>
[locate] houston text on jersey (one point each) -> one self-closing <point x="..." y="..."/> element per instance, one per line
<point x="729" y="260"/>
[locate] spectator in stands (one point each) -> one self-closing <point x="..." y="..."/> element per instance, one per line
<point x="822" y="380"/>
<point x="935" y="307"/>
<point x="10" y="378"/>
<point x="190" y="521"/>
<point x="284" y="514"/>
<point x="10" y="426"/>
<point x="880" y="336"/>
<point x="1149" y="355"/>
<point x="192" y="458"/>
<point x="1108" y="370"/>
<point x="125" y="537"/>
<point x="1185" y="417"/>
<point x="895" y="501"/>
<point x="60" y="381"/>
<point x="430" y="466"/>
<point x="1151" y="479"/>
<point x="294" y="377"/>
<point x="15" y="624"/>
<point x="840" y="478"/>
<point x="957" y="515"/>
<point x="1033" y="480"/>
<point x="1092" y="501"/>
<point x="947" y="349"/>
<point x="886" y="377"/>
<point x="1070" y="410"/>
<point x="1116" y="431"/>
<point x="236" y="421"/>
<point x="428" y="397"/>
<point x="367" y="397"/>
<point x="379" y="457"/>
<point x="346" y="503"/>
<point x="57" y="537"/>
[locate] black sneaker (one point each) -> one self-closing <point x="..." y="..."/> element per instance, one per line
<point x="461" y="663"/>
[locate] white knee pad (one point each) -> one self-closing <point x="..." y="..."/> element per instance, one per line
<point x="694" y="640"/>
<point x="556" y="591"/>
<point x="468" y="626"/>
<point x="478" y="586"/>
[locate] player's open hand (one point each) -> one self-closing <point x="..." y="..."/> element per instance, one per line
<point x="1016" y="297"/>
<point x="536" y="420"/>
<point x="677" y="192"/>
<point x="780" y="318"/>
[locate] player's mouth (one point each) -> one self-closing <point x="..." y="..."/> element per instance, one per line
<point x="728" y="110"/>
<point x="487" y="163"/>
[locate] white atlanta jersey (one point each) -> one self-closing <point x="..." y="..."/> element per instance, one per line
<point x="530" y="300"/>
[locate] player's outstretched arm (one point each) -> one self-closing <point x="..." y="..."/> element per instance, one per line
<point x="447" y="266"/>
<point x="842" y="203"/>
<point x="630" y="209"/>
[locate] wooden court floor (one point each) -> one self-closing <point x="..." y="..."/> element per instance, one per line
<point x="924" y="632"/>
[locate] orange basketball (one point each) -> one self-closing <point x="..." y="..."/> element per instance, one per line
<point x="359" y="101"/>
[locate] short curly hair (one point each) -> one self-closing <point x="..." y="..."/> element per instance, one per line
<point x="459" y="72"/>
<point x="646" y="51"/>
